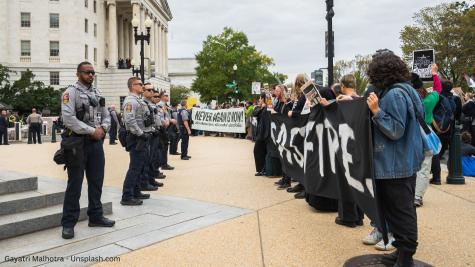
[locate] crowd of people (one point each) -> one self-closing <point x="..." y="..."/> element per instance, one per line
<point x="403" y="168"/>
<point x="33" y="120"/>
<point x="148" y="129"/>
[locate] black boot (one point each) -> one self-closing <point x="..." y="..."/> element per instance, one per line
<point x="404" y="259"/>
<point x="390" y="259"/>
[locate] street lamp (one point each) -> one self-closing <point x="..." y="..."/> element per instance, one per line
<point x="142" y="38"/>
<point x="330" y="40"/>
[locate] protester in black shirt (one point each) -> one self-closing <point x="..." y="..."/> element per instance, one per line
<point x="263" y="127"/>
<point x="282" y="106"/>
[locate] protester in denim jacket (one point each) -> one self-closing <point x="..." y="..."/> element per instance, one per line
<point x="398" y="150"/>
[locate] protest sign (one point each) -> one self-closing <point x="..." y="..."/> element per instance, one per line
<point x="256" y="88"/>
<point x="422" y="62"/>
<point x="222" y="120"/>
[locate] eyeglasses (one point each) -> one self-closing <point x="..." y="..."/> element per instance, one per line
<point x="88" y="72"/>
<point x="138" y="84"/>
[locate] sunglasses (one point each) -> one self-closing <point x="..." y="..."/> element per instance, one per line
<point x="149" y="90"/>
<point x="88" y="72"/>
<point x="138" y="84"/>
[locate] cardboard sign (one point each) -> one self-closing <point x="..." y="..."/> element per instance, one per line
<point x="256" y="88"/>
<point x="422" y="63"/>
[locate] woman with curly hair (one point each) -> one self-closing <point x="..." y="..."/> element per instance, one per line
<point x="398" y="150"/>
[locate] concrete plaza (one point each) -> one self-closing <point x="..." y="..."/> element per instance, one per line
<point x="271" y="227"/>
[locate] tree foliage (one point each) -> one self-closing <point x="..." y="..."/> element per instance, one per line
<point x="26" y="93"/>
<point x="358" y="67"/>
<point x="178" y="93"/>
<point x="215" y="67"/>
<point x="448" y="28"/>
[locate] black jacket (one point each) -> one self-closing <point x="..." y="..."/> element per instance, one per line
<point x="263" y="123"/>
<point x="3" y="123"/>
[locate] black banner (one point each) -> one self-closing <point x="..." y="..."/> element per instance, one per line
<point x="330" y="152"/>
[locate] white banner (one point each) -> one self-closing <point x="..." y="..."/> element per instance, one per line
<point x="223" y="120"/>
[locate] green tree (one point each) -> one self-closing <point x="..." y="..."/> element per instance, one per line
<point x="215" y="67"/>
<point x="178" y="93"/>
<point x="448" y="28"/>
<point x="358" y="67"/>
<point x="26" y="93"/>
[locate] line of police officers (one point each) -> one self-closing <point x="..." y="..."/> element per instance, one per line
<point x="87" y="120"/>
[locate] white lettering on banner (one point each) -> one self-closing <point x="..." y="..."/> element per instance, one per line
<point x="369" y="185"/>
<point x="333" y="143"/>
<point x="319" y="130"/>
<point x="347" y="133"/>
<point x="298" y="155"/>
<point x="281" y="139"/>
<point x="307" y="146"/>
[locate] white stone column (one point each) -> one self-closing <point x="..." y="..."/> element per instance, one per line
<point x="112" y="33"/>
<point x="157" y="48"/>
<point x="166" y="52"/>
<point x="136" y="13"/>
<point x="101" y="34"/>
<point x="152" y="43"/>
<point x="162" y="30"/>
<point x="126" y="27"/>
<point x="120" y="29"/>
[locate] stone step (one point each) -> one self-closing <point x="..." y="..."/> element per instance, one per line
<point x="31" y="200"/>
<point x="13" y="182"/>
<point x="36" y="220"/>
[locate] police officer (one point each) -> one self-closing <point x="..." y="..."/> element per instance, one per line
<point x="157" y="161"/>
<point x="165" y="124"/>
<point x="85" y="116"/>
<point x="137" y="120"/>
<point x="173" y="131"/>
<point x="185" y="131"/>
<point x="152" y="166"/>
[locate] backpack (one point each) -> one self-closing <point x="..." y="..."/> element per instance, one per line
<point x="122" y="134"/>
<point x="443" y="114"/>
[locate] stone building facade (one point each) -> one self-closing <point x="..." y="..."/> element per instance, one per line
<point x="50" y="37"/>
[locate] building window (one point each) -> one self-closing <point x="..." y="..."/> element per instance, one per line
<point x="95" y="6"/>
<point x="54" y="20"/>
<point x="86" y="52"/>
<point x="85" y="25"/>
<point x="95" y="30"/>
<point x="86" y="3"/>
<point x="54" y="78"/>
<point x="25" y="20"/>
<point x="25" y="48"/>
<point x="95" y="54"/>
<point x="54" y="49"/>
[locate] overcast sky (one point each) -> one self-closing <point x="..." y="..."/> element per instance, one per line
<point x="293" y="32"/>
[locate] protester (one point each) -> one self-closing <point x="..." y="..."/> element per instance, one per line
<point x="468" y="110"/>
<point x="299" y="101"/>
<point x="34" y="122"/>
<point x="430" y="100"/>
<point x="262" y="135"/>
<point x="447" y="107"/>
<point x="282" y="106"/>
<point x="468" y="153"/>
<point x="398" y="150"/>
<point x="349" y="214"/>
<point x="4" y="128"/>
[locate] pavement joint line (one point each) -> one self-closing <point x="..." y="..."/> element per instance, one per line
<point x="275" y="204"/>
<point x="260" y="239"/>
<point x="452" y="194"/>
